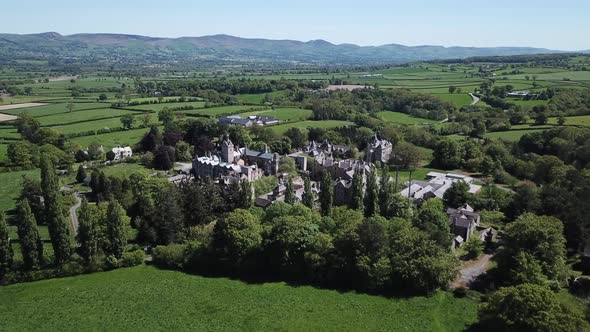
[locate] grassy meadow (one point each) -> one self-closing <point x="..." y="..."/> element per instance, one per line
<point x="145" y="298"/>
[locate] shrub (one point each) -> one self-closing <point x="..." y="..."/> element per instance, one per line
<point x="132" y="258"/>
<point x="171" y="256"/>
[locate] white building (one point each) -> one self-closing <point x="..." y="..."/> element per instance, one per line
<point x="436" y="185"/>
<point x="122" y="152"/>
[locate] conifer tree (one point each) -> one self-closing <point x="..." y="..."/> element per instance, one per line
<point x="6" y="253"/>
<point x="356" y="202"/>
<point x="326" y="194"/>
<point x="371" y="195"/>
<point x="54" y="212"/>
<point x="88" y="232"/>
<point x="245" y="195"/>
<point x="115" y="230"/>
<point x="81" y="175"/>
<point x="169" y="219"/>
<point x="385" y="192"/>
<point x="28" y="235"/>
<point x="307" y="198"/>
<point x="290" y="197"/>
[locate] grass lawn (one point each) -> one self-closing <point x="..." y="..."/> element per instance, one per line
<point x="282" y="128"/>
<point x="284" y="114"/>
<point x="402" y="118"/>
<point x="457" y="99"/>
<point x="122" y="170"/>
<point x="145" y="298"/>
<point x="11" y="185"/>
<point x="257" y="98"/>
<point x="3" y="150"/>
<point x="90" y="125"/>
<point x="58" y="108"/>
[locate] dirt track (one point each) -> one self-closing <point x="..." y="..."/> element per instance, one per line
<point x="16" y="106"/>
<point x="6" y="117"/>
<point x="471" y="270"/>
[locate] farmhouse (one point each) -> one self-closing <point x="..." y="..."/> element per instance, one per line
<point x="463" y="222"/>
<point x="122" y="152"/>
<point x="252" y="120"/>
<point x="436" y="185"/>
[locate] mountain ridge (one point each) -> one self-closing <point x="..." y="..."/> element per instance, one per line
<point x="113" y="47"/>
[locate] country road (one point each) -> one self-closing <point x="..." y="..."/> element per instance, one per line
<point x="471" y="270"/>
<point x="474" y="98"/>
<point x="73" y="215"/>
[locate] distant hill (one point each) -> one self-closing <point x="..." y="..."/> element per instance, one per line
<point x="119" y="48"/>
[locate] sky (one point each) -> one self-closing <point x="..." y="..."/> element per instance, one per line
<point x="562" y="24"/>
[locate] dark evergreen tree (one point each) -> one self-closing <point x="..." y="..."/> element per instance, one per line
<point x="169" y="219"/>
<point x="88" y="233"/>
<point x="307" y="198"/>
<point x="95" y="182"/>
<point x="371" y="195"/>
<point x="290" y="197"/>
<point x="356" y="202"/>
<point x="28" y="235"/>
<point x="6" y="253"/>
<point x="326" y="193"/>
<point x="55" y="212"/>
<point x="386" y="192"/>
<point x="81" y="175"/>
<point x="245" y="194"/>
<point x="151" y="140"/>
<point x="457" y="195"/>
<point x="116" y="233"/>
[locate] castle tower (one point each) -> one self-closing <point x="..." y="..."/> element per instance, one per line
<point x="227" y="150"/>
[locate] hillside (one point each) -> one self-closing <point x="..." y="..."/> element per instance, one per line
<point x="120" y="48"/>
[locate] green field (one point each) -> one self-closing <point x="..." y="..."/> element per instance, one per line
<point x="127" y="137"/>
<point x="89" y="125"/>
<point x="282" y="128"/>
<point x="11" y="186"/>
<point x="157" y="107"/>
<point x="457" y="99"/>
<point x="257" y="98"/>
<point x="284" y="114"/>
<point x="80" y="116"/>
<point x="582" y="120"/>
<point x="145" y="298"/>
<point x="3" y="150"/>
<point x="57" y="108"/>
<point x="402" y="118"/>
<point x="222" y="110"/>
<point x="512" y="135"/>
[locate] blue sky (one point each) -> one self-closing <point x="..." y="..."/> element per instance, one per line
<point x="553" y="24"/>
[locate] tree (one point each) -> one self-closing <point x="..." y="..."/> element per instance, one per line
<point x="529" y="308"/>
<point x="561" y="120"/>
<point x="20" y="153"/>
<point x="166" y="116"/>
<point x="146" y="119"/>
<point x="290" y="197"/>
<point x="164" y="158"/>
<point x="371" y="198"/>
<point x="406" y="155"/>
<point x="539" y="236"/>
<point x="237" y="235"/>
<point x="168" y="218"/>
<point x="372" y="261"/>
<point x="183" y="151"/>
<point x="30" y="243"/>
<point x="70" y="107"/>
<point x="81" y="174"/>
<point x="308" y="198"/>
<point x="6" y="253"/>
<point x="116" y="232"/>
<point x="356" y="201"/>
<point x="473" y="247"/>
<point x="417" y="261"/>
<point x="151" y="140"/>
<point x="287" y="165"/>
<point x="432" y="219"/>
<point x="457" y="195"/>
<point x="102" y="97"/>
<point x="127" y="121"/>
<point x="55" y="212"/>
<point x="297" y="136"/>
<point x="246" y="195"/>
<point x="81" y="156"/>
<point x="386" y="190"/>
<point x="88" y="233"/>
<point x="447" y="154"/>
<point x="326" y="193"/>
